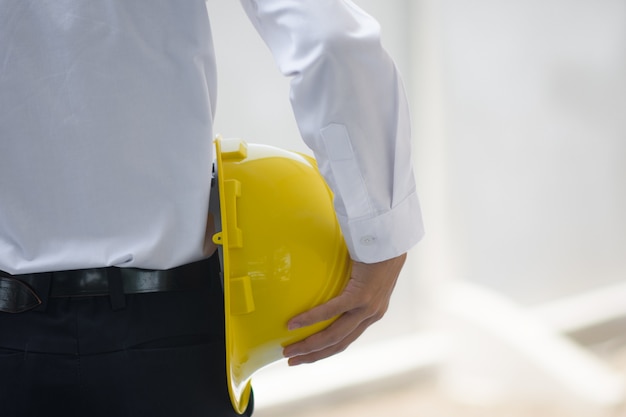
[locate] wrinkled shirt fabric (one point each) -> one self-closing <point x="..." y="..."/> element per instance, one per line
<point x="106" y="117"/>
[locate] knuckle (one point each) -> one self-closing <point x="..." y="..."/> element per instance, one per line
<point x="340" y="347"/>
<point x="376" y="312"/>
<point x="378" y="315"/>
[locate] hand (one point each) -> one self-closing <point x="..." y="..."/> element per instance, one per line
<point x="363" y="302"/>
<point x="209" y="247"/>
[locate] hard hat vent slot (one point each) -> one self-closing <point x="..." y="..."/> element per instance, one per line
<point x="242" y="301"/>
<point x="234" y="150"/>
<point x="232" y="191"/>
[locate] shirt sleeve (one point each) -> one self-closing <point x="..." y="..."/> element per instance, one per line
<point x="351" y="110"/>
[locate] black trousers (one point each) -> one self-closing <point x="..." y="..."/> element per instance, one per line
<point x="162" y="355"/>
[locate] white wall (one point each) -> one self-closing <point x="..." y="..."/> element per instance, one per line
<point x="535" y="143"/>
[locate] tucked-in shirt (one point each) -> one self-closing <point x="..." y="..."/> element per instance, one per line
<point x="106" y="115"/>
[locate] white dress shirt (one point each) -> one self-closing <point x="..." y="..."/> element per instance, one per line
<point x="106" y="114"/>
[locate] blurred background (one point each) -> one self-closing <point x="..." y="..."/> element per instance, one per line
<point x="514" y="304"/>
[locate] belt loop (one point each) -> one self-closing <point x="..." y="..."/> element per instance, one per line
<point x="116" y="288"/>
<point x="44" y="281"/>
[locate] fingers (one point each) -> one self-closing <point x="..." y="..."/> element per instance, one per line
<point x="320" y="346"/>
<point x="333" y="334"/>
<point x="326" y="311"/>
<point x="337" y="336"/>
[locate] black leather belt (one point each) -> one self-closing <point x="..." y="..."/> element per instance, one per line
<point x="19" y="293"/>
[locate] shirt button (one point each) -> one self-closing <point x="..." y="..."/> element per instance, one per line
<point x="368" y="240"/>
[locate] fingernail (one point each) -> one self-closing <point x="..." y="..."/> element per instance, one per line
<point x="293" y="362"/>
<point x="293" y="325"/>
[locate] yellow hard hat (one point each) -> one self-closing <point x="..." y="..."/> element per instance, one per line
<point x="282" y="253"/>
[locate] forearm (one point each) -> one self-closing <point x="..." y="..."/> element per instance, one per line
<point x="351" y="110"/>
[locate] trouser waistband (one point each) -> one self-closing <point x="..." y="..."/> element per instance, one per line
<point x="19" y="293"/>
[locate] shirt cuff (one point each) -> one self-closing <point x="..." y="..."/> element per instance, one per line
<point x="390" y="234"/>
